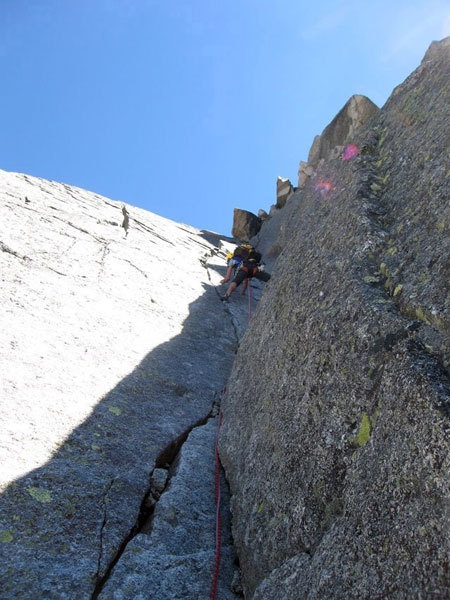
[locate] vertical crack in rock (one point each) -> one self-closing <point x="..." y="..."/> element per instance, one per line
<point x="102" y="528"/>
<point x="104" y="253"/>
<point x="166" y="460"/>
<point x="143" y="524"/>
<point x="376" y="210"/>
<point x="126" y="220"/>
<point x="233" y="320"/>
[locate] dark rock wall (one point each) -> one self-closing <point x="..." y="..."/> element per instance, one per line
<point x="335" y="432"/>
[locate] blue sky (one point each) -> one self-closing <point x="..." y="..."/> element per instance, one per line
<point x="190" y="108"/>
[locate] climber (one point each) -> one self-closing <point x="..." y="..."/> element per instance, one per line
<point x="250" y="267"/>
<point x="234" y="261"/>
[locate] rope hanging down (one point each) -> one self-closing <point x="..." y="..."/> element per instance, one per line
<point x="218" y="519"/>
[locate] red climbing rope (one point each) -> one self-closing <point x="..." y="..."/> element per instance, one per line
<point x="249" y="299"/>
<point x="218" y="520"/>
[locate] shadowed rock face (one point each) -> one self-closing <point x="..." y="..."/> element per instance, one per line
<point x="170" y="560"/>
<point x="336" y="424"/>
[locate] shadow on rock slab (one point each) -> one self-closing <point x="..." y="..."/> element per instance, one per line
<point x="63" y="523"/>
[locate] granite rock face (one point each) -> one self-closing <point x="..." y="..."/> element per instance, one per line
<point x="330" y="144"/>
<point x="356" y="111"/>
<point x="179" y="540"/>
<point x="336" y="425"/>
<point x="285" y="190"/>
<point x="114" y="346"/>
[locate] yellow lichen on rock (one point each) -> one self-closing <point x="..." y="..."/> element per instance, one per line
<point x="364" y="430"/>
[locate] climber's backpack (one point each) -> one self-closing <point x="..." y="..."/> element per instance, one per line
<point x="243" y="251"/>
<point x="254" y="257"/>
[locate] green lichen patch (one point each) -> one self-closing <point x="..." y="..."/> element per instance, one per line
<point x="392" y="250"/>
<point x="40" y="494"/>
<point x="398" y="288"/>
<point x="6" y="537"/>
<point x="384" y="269"/>
<point x="364" y="431"/>
<point x="115" y="410"/>
<point x="371" y="279"/>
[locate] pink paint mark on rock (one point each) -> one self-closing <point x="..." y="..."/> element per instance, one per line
<point x="350" y="151"/>
<point x="324" y="187"/>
